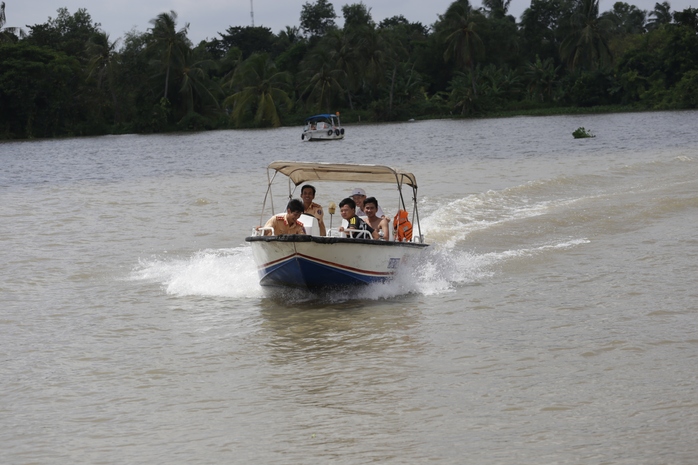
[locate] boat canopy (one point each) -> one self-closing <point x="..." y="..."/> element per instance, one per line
<point x="323" y="116"/>
<point x="300" y="172"/>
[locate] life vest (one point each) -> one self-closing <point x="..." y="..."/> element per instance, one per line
<point x="402" y="228"/>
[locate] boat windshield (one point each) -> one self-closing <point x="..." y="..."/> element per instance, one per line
<point x="329" y="120"/>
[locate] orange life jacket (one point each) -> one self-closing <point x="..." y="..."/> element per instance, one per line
<point x="402" y="228"/>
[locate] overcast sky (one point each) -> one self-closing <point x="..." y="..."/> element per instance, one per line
<point x="207" y="18"/>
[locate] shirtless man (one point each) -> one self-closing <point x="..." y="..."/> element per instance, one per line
<point x="287" y="223"/>
<point x="379" y="224"/>
<point x="347" y="208"/>
<point x="311" y="208"/>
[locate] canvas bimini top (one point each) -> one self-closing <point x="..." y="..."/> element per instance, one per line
<point x="322" y="117"/>
<point x="300" y="172"/>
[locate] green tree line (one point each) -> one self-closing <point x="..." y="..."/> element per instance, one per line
<point x="67" y="77"/>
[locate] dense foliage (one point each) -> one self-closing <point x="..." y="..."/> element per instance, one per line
<point x="68" y="77"/>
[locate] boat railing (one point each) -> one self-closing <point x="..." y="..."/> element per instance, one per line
<point x="261" y="231"/>
<point x="334" y="232"/>
<point x="360" y="234"/>
<point x="350" y="233"/>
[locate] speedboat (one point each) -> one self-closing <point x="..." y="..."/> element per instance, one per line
<point x="312" y="261"/>
<point x="323" y="127"/>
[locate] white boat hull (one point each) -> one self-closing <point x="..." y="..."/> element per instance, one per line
<point x="323" y="134"/>
<point x="317" y="262"/>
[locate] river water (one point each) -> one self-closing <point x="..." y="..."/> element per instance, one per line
<point x="553" y="321"/>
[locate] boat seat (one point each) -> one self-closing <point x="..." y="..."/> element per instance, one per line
<point x="310" y="224"/>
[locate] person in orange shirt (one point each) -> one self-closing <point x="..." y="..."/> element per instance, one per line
<point x="311" y="208"/>
<point x="287" y="223"/>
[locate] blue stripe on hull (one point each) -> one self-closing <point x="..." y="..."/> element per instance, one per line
<point x="297" y="271"/>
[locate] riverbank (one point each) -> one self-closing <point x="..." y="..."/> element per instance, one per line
<point x="365" y="117"/>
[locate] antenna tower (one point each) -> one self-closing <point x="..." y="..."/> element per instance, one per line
<point x="252" y="13"/>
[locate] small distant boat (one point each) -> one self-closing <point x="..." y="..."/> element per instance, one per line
<point x="312" y="261"/>
<point x="323" y="127"/>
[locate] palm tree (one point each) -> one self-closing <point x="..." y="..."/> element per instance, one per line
<point x="197" y="87"/>
<point x="228" y="65"/>
<point x="291" y="35"/>
<point x="372" y="49"/>
<point x="542" y="78"/>
<point x="262" y="90"/>
<point x="461" y="38"/>
<point x="688" y="18"/>
<point x="324" y="79"/>
<point x="587" y="44"/>
<point x="343" y="53"/>
<point x="172" y="44"/>
<point x="103" y="63"/>
<point x="397" y="59"/>
<point x="8" y="34"/>
<point x="661" y="15"/>
<point x="461" y="93"/>
<point x="626" y="19"/>
<point x="496" y="8"/>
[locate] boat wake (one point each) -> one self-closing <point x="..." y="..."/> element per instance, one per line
<point x="232" y="273"/>
<point x="449" y="264"/>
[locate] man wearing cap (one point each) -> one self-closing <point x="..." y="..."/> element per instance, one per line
<point x="359" y="195"/>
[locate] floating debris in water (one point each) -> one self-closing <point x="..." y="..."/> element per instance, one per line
<point x="582" y="133"/>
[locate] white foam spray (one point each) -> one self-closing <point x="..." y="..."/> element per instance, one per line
<point x="444" y="267"/>
<point x="222" y="273"/>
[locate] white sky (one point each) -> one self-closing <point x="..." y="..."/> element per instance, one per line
<point x="208" y="17"/>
